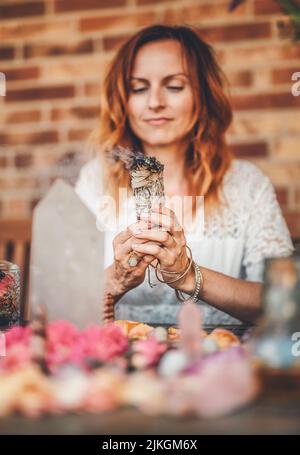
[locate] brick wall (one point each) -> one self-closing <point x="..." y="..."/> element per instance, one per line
<point x="53" y="53"/>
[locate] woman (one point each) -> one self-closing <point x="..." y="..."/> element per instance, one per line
<point x="163" y="96"/>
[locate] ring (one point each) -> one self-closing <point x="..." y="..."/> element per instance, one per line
<point x="133" y="259"/>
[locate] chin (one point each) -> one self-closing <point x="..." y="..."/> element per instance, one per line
<point x="160" y="141"/>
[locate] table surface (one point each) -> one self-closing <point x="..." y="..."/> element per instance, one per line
<point x="276" y="412"/>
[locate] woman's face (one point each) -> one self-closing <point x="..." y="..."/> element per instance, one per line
<point x="160" y="104"/>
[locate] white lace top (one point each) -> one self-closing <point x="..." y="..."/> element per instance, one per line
<point x="252" y="228"/>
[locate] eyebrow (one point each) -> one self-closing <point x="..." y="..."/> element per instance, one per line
<point x="170" y="76"/>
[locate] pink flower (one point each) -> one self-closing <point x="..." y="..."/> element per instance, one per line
<point x="61" y="339"/>
<point x="17" y="353"/>
<point x="65" y="344"/>
<point x="100" y="343"/>
<point x="17" y="335"/>
<point x="17" y="356"/>
<point x="147" y="352"/>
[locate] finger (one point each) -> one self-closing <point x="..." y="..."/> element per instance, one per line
<point x="123" y="236"/>
<point x="126" y="247"/>
<point x="147" y="259"/>
<point x="161" y="237"/>
<point x="151" y="249"/>
<point x="162" y="209"/>
<point x="165" y="221"/>
<point x="138" y="225"/>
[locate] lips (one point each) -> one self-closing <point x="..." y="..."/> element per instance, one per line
<point x="158" y="121"/>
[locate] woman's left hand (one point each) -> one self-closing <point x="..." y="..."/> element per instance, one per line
<point x="170" y="243"/>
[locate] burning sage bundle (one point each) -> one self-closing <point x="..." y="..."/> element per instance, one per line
<point x="147" y="183"/>
<point x="146" y="174"/>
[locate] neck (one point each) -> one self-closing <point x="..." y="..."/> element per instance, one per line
<point x="173" y="159"/>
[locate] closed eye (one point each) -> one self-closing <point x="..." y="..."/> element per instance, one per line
<point x="138" y="90"/>
<point x="175" y="88"/>
<point x="169" y="87"/>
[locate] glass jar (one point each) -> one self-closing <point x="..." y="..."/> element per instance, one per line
<point x="276" y="335"/>
<point x="9" y="294"/>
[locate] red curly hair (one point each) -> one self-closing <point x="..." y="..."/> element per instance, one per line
<point x="208" y="156"/>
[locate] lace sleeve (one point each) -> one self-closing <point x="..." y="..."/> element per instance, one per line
<point x="267" y="234"/>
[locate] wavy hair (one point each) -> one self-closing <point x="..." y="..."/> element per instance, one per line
<point x="208" y="156"/>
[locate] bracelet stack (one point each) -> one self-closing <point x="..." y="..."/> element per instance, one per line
<point x="178" y="276"/>
<point x="198" y="286"/>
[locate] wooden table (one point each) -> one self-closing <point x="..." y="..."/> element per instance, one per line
<point x="276" y="412"/>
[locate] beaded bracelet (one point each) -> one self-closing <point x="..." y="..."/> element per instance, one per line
<point x="198" y="286"/>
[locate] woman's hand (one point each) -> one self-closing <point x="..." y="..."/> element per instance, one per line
<point x="121" y="277"/>
<point x="168" y="244"/>
<point x="129" y="277"/>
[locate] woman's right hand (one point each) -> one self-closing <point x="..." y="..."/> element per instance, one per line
<point x="129" y="277"/>
<point x="123" y="277"/>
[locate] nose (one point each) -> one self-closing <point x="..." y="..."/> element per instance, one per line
<point x="156" y="98"/>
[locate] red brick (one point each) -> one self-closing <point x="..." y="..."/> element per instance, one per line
<point x="256" y="55"/>
<point x="12" y="11"/>
<point x="16" y="74"/>
<point x="265" y="101"/>
<point x="114" y="42"/>
<point x="240" y="78"/>
<point x="297" y="196"/>
<point x="282" y="196"/>
<point x="39" y="93"/>
<point x="199" y="13"/>
<point x="23" y="116"/>
<point x="80" y="112"/>
<point x="284" y="75"/>
<point x="93" y="90"/>
<point x="41" y="137"/>
<point x="21" y="31"/>
<point x="23" y="160"/>
<point x="86" y="111"/>
<point x="149" y="2"/>
<point x="236" y="32"/>
<point x="3" y="161"/>
<point x="257" y="149"/>
<point x="79" y="5"/>
<point x="52" y="50"/>
<point x="293" y="221"/>
<point x="270" y="7"/>
<point x="116" y="21"/>
<point x="7" y="53"/>
<point x="79" y="134"/>
<point x="17" y="208"/>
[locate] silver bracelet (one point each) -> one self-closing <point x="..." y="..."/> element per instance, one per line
<point x="198" y="286"/>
